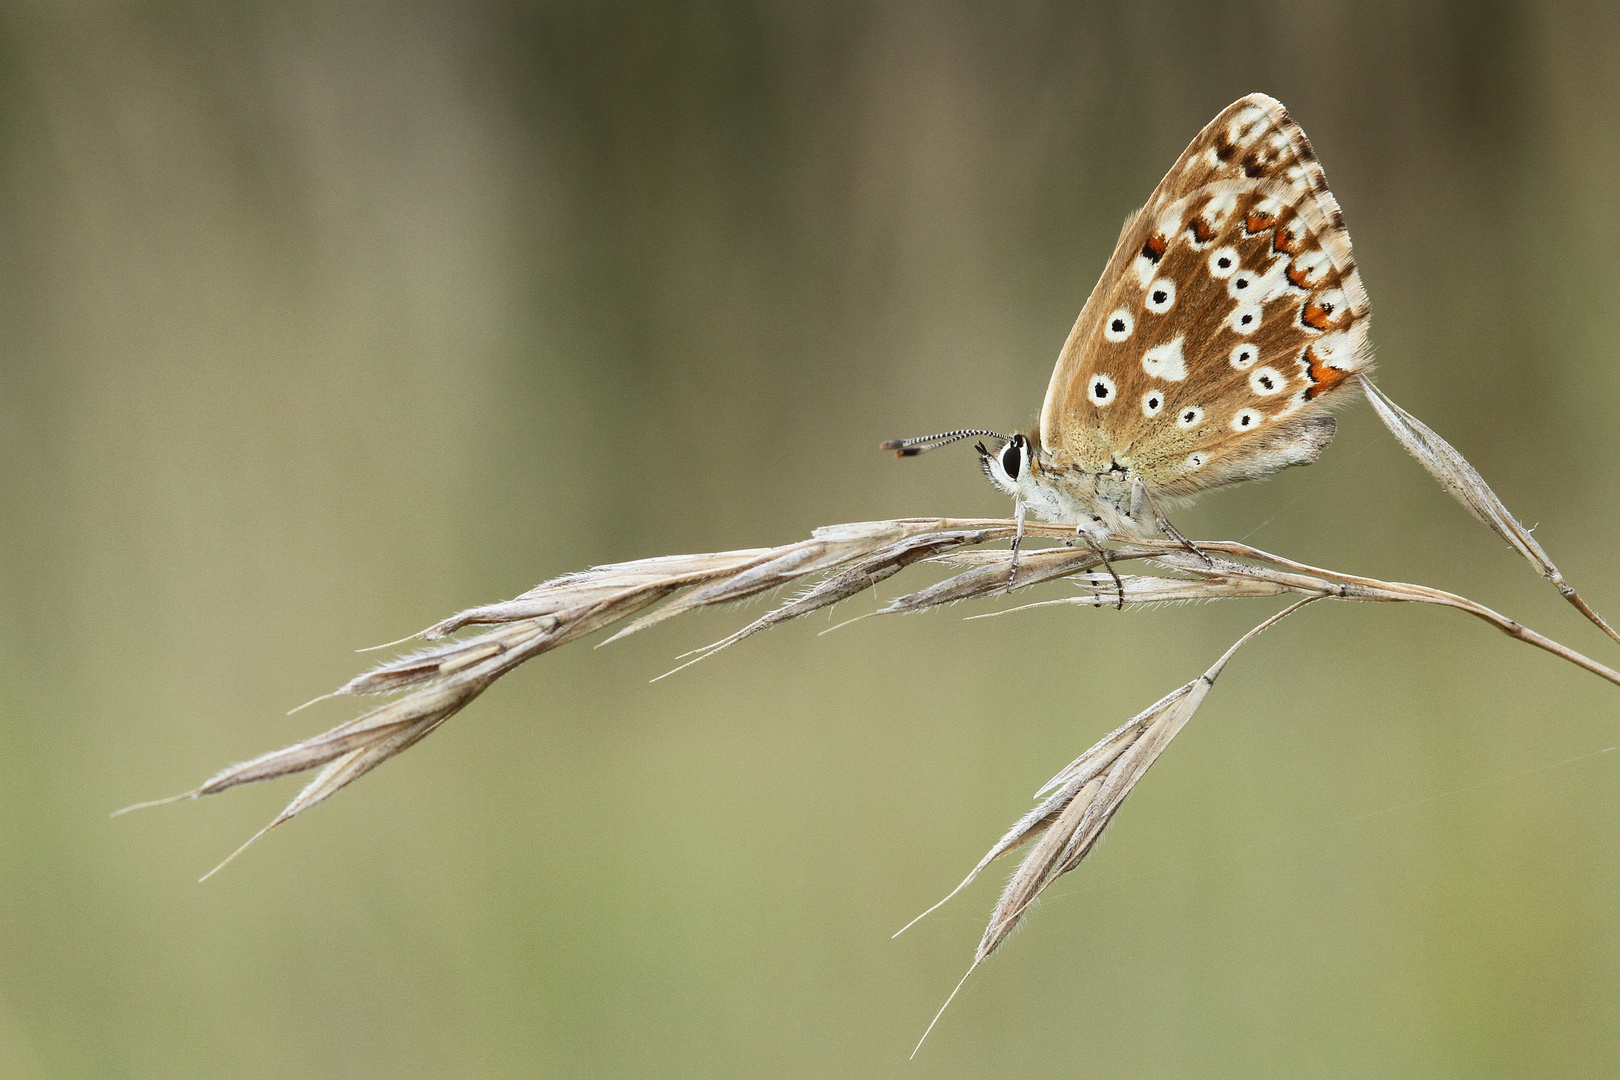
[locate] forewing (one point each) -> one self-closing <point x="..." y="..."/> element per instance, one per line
<point x="1230" y="314"/>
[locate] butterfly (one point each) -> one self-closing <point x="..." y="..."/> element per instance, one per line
<point x="1229" y="318"/>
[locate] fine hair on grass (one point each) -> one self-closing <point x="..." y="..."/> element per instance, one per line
<point x="466" y="653"/>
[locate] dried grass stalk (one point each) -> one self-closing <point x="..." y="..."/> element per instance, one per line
<point x="440" y="679"/>
<point x="1460" y="478"/>
<point x="836" y="563"/>
<point x="435" y="682"/>
<point x="1107" y="590"/>
<point x="1081" y="801"/>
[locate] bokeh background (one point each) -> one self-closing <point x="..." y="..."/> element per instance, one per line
<point x="319" y="321"/>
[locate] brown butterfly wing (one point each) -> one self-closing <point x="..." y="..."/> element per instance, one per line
<point x="1230" y="314"/>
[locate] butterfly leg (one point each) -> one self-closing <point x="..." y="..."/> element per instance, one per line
<point x="1174" y="533"/>
<point x="1119" y="586"/>
<point x="1162" y="523"/>
<point x="1018" y="542"/>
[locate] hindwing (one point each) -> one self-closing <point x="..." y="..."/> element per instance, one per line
<point x="1230" y="314"/>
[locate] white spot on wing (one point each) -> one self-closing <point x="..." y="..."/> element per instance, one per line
<point x="1100" y="388"/>
<point x="1340" y="348"/>
<point x="1246" y="420"/>
<point x="1188" y="415"/>
<point x="1165" y="361"/>
<point x="1226" y="255"/>
<point x="1119" y="325"/>
<point x="1251" y="124"/>
<point x="1217" y="208"/>
<point x="1270" y="285"/>
<point x="1152" y="402"/>
<point x="1266" y="381"/>
<point x="1244" y="356"/>
<point x="1161" y="295"/>
<point x="1245" y="319"/>
<point x="1313" y="262"/>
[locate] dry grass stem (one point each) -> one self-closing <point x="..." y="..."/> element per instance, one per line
<point x="1080" y="802"/>
<point x="1103" y="590"/>
<point x="838" y="562"/>
<point x="438" y="680"/>
<point x="1454" y="473"/>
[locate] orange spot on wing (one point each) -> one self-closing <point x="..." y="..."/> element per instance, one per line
<point x="1257" y="222"/>
<point x="1284" y="243"/>
<point x="1316" y="315"/>
<point x="1321" y="377"/>
<point x="1297" y="274"/>
<point x="1202" y="231"/>
<point x="1154" y="249"/>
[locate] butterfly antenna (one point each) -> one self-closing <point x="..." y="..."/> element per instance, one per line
<point x="913" y="447"/>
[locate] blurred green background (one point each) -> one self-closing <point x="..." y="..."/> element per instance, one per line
<point x="321" y="321"/>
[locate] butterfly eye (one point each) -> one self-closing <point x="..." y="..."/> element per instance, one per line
<point x="1243" y="356"/>
<point x="1246" y="319"/>
<point x="1152" y="402"/>
<point x="1246" y="420"/>
<point x="1189" y="416"/>
<point x="1012" y="458"/>
<point x="1119" y="326"/>
<point x="1223" y="262"/>
<point x="1161" y="295"/>
<point x="1102" y="390"/>
<point x="1266" y="381"/>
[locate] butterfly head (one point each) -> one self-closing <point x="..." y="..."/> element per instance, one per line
<point x="1010" y="463"/>
<point x="1014" y="466"/>
<point x="1020" y="467"/>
